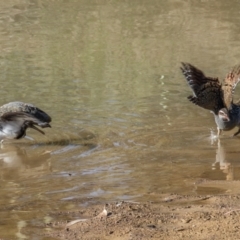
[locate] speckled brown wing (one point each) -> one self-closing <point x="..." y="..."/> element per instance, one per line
<point x="23" y="121"/>
<point x="229" y="84"/>
<point x="25" y="108"/>
<point x="207" y="91"/>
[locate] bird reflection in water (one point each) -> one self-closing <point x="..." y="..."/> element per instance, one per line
<point x="224" y="165"/>
<point x="224" y="177"/>
<point x="15" y="161"/>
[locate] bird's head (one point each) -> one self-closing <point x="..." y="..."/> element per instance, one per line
<point x="224" y="115"/>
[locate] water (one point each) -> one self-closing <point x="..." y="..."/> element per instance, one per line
<point x="107" y="72"/>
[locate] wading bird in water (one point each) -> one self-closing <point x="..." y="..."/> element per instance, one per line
<point x="211" y="94"/>
<point x="17" y="117"/>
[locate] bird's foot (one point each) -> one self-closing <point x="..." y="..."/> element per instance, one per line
<point x="29" y="138"/>
<point x="235" y="134"/>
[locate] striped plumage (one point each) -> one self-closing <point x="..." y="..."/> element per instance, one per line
<point x="210" y="94"/>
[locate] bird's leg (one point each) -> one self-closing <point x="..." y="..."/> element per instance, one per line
<point x="34" y="127"/>
<point x="1" y="144"/>
<point x="235" y="134"/>
<point x="219" y="131"/>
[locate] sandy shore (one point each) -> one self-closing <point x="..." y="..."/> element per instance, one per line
<point x="173" y="217"/>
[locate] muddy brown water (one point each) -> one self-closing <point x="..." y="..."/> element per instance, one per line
<point x="108" y="74"/>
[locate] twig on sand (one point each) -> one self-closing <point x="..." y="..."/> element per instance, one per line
<point x="234" y="210"/>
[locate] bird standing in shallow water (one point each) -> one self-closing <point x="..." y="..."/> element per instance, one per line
<point x="210" y="94"/>
<point x="17" y="117"/>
